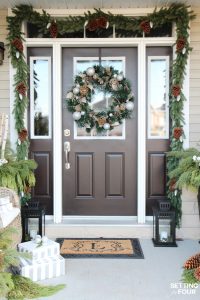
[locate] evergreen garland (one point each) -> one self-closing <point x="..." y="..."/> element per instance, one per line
<point x="48" y="26"/>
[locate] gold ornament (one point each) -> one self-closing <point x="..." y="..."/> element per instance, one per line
<point x="122" y="107"/>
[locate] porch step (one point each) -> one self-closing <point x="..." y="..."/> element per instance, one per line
<point x="94" y="229"/>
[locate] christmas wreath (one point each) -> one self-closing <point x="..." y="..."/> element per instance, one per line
<point x="109" y="81"/>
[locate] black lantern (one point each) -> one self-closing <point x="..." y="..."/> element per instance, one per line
<point x="1" y="53"/>
<point x="31" y="229"/>
<point x="164" y="225"/>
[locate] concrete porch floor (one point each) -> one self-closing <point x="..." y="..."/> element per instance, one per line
<point x="155" y="277"/>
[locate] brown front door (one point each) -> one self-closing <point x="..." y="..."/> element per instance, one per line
<point x="103" y="170"/>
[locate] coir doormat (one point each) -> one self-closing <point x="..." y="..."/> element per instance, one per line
<point x="106" y="248"/>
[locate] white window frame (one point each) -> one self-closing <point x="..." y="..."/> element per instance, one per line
<point x="103" y="58"/>
<point x="150" y="58"/>
<point x="32" y="135"/>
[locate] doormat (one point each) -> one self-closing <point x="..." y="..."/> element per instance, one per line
<point x="102" y="247"/>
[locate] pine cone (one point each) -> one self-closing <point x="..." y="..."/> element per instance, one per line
<point x="176" y="90"/>
<point x="21" y="88"/>
<point x="180" y="44"/>
<point x="172" y="185"/>
<point x="92" y="25"/>
<point x="193" y="262"/>
<point x="83" y="90"/>
<point x="101" y="121"/>
<point x="23" y="135"/>
<point x="53" y="30"/>
<point x="177" y="132"/>
<point x="102" y="22"/>
<point x="197" y="273"/>
<point x="17" y="43"/>
<point x="145" y="26"/>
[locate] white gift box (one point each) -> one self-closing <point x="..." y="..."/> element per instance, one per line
<point x="48" y="249"/>
<point x="43" y="269"/>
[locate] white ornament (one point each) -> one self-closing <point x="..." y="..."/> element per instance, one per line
<point x="183" y="50"/>
<point x="38" y="239"/>
<point x="175" y="192"/>
<point x="181" y="139"/>
<point x="85" y="24"/>
<point x="44" y="239"/>
<point x="106" y="126"/>
<point x="78" y="85"/>
<point x="151" y="24"/>
<point x="198" y="158"/>
<point x="107" y="25"/>
<point x="90" y="86"/>
<point x="20" y="96"/>
<point x="75" y="90"/>
<point x="194" y="158"/>
<point x="120" y="77"/>
<point x="69" y="95"/>
<point x="83" y="100"/>
<point x="129" y="105"/>
<point x="48" y="25"/>
<point x="95" y="76"/>
<point x="76" y="115"/>
<point x="115" y="75"/>
<point x="82" y="113"/>
<point x="17" y="54"/>
<point x="3" y="161"/>
<point x="90" y="71"/>
<point x="22" y="194"/>
<point x="110" y="115"/>
<point x="19" y="142"/>
<point x="178" y="98"/>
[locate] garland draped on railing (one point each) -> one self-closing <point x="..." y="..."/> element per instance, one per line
<point x="48" y="26"/>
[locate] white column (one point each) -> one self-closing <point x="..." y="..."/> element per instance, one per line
<point x="141" y="155"/>
<point x="57" y="134"/>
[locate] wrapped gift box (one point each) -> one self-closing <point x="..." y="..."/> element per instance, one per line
<point x="43" y="269"/>
<point x="48" y="249"/>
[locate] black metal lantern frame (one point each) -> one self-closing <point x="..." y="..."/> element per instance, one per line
<point x="32" y="211"/>
<point x="164" y="228"/>
<point x="2" y="49"/>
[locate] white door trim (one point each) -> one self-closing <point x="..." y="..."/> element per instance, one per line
<point x="141" y="43"/>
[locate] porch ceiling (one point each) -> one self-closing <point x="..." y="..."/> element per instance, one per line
<point x="89" y="4"/>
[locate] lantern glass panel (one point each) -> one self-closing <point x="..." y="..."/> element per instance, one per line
<point x="165" y="232"/>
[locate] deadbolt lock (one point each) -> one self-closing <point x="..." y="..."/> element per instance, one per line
<point x="67" y="132"/>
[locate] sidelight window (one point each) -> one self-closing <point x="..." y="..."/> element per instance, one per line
<point x="158" y="97"/>
<point x="40" y="97"/>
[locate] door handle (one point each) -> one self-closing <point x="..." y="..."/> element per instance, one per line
<point x="67" y="150"/>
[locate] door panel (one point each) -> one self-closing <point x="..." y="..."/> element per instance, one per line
<point x="103" y="174"/>
<point x="156" y="147"/>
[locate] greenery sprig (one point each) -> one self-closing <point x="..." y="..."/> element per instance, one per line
<point x="49" y="26"/>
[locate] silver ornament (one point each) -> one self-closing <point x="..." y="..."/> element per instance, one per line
<point x="76" y="90"/>
<point x="175" y="192"/>
<point x="107" y="25"/>
<point x="78" y="85"/>
<point x="19" y="142"/>
<point x="181" y="139"/>
<point x="120" y="77"/>
<point x="106" y="126"/>
<point x="129" y="105"/>
<point x="17" y="54"/>
<point x="82" y="113"/>
<point x="90" y="71"/>
<point x="115" y="75"/>
<point x="85" y="24"/>
<point x="20" y="96"/>
<point x="76" y="115"/>
<point x="151" y="24"/>
<point x="178" y="98"/>
<point x="110" y="115"/>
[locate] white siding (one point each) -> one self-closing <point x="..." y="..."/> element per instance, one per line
<point x="195" y="81"/>
<point x="4" y="69"/>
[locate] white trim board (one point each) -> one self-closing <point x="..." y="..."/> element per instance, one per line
<point x="57" y="45"/>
